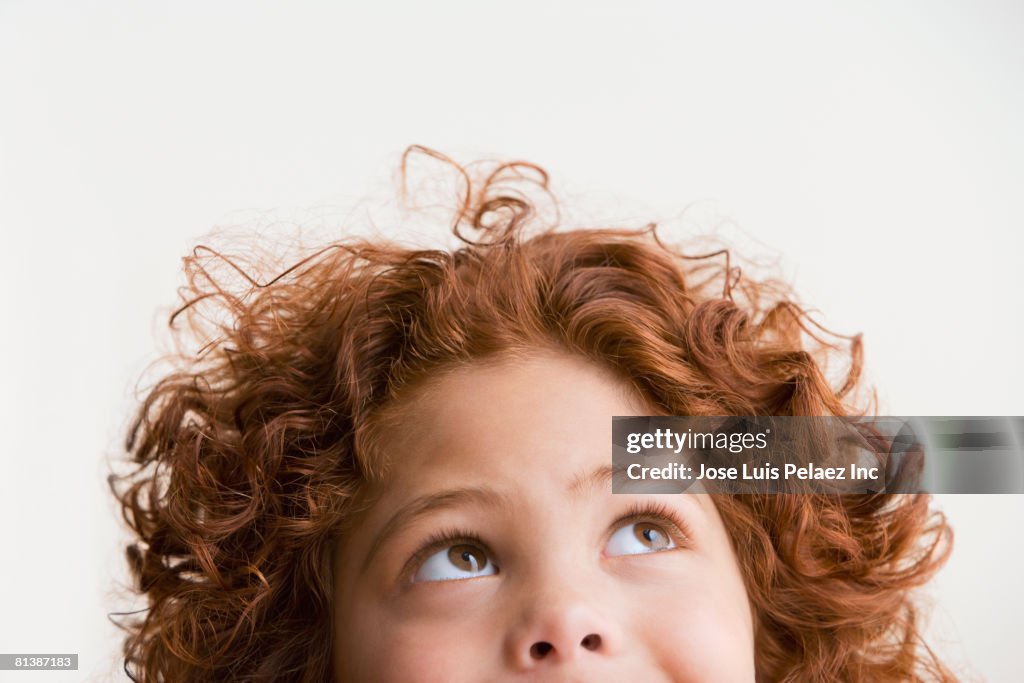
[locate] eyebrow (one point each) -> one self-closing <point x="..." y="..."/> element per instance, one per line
<point x="591" y="480"/>
<point x="603" y="476"/>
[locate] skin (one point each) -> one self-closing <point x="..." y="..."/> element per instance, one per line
<point x="550" y="578"/>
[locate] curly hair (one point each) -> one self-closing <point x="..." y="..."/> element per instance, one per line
<point x="248" y="457"/>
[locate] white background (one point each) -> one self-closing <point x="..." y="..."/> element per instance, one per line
<point x="875" y="147"/>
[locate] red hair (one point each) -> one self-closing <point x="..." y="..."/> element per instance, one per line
<point x="249" y="457"/>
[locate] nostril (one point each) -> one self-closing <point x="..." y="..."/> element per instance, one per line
<point x="591" y="642"/>
<point x="540" y="649"/>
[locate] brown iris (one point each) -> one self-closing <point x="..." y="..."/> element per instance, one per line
<point x="468" y="558"/>
<point x="651" y="535"/>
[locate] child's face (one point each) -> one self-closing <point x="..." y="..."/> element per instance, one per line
<point x="497" y="550"/>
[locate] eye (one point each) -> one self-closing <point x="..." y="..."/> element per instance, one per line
<point x="637" y="538"/>
<point x="454" y="562"/>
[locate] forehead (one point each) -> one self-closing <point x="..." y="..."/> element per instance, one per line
<point x="539" y="417"/>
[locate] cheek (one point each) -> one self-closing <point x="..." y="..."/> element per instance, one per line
<point x="408" y="657"/>
<point x="701" y="630"/>
<point x="390" y="648"/>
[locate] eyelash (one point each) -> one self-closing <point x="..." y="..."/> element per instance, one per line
<point x="637" y="512"/>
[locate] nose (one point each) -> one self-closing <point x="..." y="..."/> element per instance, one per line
<point x="562" y="630"/>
